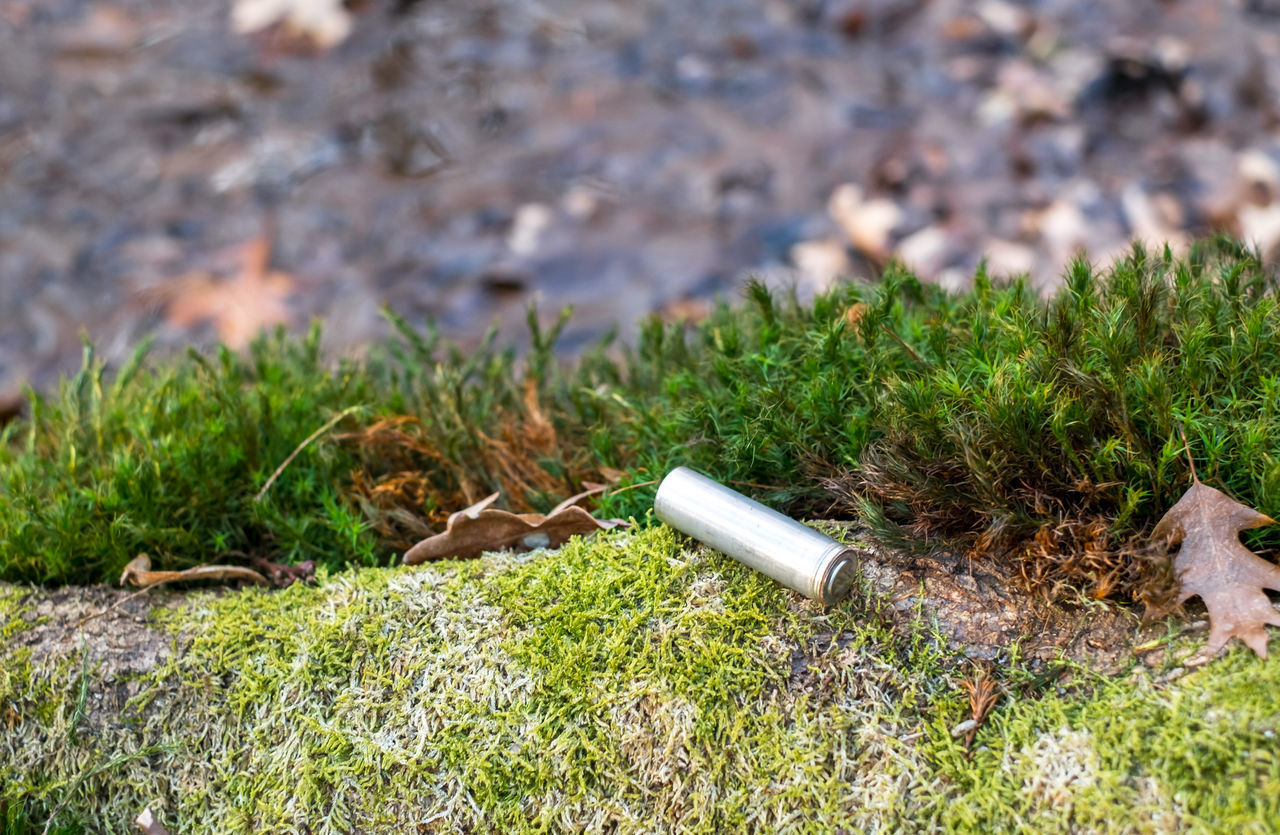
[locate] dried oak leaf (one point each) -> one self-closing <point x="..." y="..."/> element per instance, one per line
<point x="323" y="22"/>
<point x="148" y="823"/>
<point x="138" y="572"/>
<point x="255" y="298"/>
<point x="480" y="528"/>
<point x="1213" y="564"/>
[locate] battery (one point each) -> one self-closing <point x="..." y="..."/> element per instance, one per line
<point x="795" y="555"/>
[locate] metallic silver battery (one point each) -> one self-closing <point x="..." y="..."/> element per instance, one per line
<point x="795" y="555"/>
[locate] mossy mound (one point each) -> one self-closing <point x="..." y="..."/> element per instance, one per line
<point x="1046" y="435"/>
<point x="624" y="683"/>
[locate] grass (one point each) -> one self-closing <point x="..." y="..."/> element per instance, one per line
<point x="1045" y="434"/>
<point x="625" y="683"/>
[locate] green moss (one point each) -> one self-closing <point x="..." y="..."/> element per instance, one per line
<point x="985" y="417"/>
<point x="167" y="460"/>
<point x="1136" y="753"/>
<point x="624" y="683"/>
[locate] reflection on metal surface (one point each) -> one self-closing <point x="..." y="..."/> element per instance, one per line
<point x="793" y="554"/>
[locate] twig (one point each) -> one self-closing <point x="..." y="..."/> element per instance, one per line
<point x="902" y="342"/>
<point x="329" y="424"/>
<point x="123" y="601"/>
<point x="572" y="500"/>
<point x="1186" y="445"/>
<point x="632" y="487"/>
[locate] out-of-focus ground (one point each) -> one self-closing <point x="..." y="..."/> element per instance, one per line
<point x="162" y="172"/>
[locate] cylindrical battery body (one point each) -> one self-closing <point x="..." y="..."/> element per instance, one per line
<point x="793" y="554"/>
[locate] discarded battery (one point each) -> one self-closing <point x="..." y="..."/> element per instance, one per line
<point x="793" y="554"/>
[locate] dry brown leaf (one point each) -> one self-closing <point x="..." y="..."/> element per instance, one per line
<point x="138" y="573"/>
<point x="283" y="575"/>
<point x="612" y="476"/>
<point x="480" y="528"/>
<point x="1213" y="564"/>
<point x="853" y="316"/>
<point x="148" y="823"/>
<point x="322" y="22"/>
<point x="256" y="297"/>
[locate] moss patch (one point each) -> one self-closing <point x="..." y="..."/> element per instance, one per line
<point x="1158" y="750"/>
<point x="625" y="682"/>
<point x="1043" y="433"/>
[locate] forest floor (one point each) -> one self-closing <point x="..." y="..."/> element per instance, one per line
<point x="626" y="683"/>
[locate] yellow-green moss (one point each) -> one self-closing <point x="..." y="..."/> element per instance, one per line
<point x="624" y="683"/>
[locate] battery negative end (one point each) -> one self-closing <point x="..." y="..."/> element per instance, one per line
<point x="840" y="578"/>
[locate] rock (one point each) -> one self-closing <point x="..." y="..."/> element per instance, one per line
<point x="1005" y="19"/>
<point x="580" y="203"/>
<point x="529" y="227"/>
<point x="868" y="224"/>
<point x="1146" y="221"/>
<point x="1005" y="258"/>
<point x="926" y="251"/>
<point x="964" y="727"/>
<point x="1261" y="225"/>
<point x="1063" y="229"/>
<point x="954" y="280"/>
<point x="1259" y="173"/>
<point x="821" y="262"/>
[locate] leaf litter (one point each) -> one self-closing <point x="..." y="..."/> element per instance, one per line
<point x="138" y="573"/>
<point x="480" y="527"/>
<point x="1213" y="564"/>
<point x="254" y="297"/>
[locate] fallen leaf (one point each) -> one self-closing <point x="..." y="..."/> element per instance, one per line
<point x="867" y="223"/>
<point x="256" y="297"/>
<point x="612" y="476"/>
<point x="148" y="824"/>
<point x="853" y="316"/>
<point x="685" y="311"/>
<point x="480" y="528"/>
<point x="1212" y="563"/>
<point x="592" y="490"/>
<point x="323" y="22"/>
<point x="138" y="573"/>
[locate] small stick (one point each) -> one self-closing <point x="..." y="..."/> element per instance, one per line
<point x="1186" y="445"/>
<point x="124" y="600"/>
<point x="901" y="342"/>
<point x="572" y="500"/>
<point x="329" y="424"/>
<point x="631" y="487"/>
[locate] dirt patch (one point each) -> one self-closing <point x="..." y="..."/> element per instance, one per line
<point x="119" y="633"/>
<point x="984" y="614"/>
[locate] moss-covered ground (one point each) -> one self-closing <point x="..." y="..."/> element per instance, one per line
<point x="631" y="682"/>
<point x="624" y="683"/>
<point x="1043" y="433"/>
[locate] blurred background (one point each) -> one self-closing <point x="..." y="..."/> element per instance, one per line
<point x="200" y="170"/>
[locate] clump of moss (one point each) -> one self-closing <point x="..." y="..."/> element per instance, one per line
<point x="1045" y="433"/>
<point x="627" y="682"/>
<point x="1052" y="432"/>
<point x="167" y="459"/>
